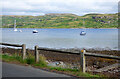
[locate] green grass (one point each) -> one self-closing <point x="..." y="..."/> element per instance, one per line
<point x="63" y="69"/>
<point x="73" y="71"/>
<point x="62" y="21"/>
<point x="12" y="58"/>
<point x="42" y="64"/>
<point x="29" y="60"/>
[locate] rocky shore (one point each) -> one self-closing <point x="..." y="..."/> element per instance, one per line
<point x="73" y="61"/>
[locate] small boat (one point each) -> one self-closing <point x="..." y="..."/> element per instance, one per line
<point x="20" y="30"/>
<point x="15" y="29"/>
<point x="35" y="31"/>
<point x="82" y="33"/>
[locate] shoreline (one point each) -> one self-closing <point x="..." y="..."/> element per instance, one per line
<point x="71" y="59"/>
<point x="73" y="48"/>
<point x="68" y="28"/>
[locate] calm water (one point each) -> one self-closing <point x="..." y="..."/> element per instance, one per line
<point x="63" y="38"/>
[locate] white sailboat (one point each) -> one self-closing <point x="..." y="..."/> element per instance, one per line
<point x="83" y="32"/>
<point x="15" y="26"/>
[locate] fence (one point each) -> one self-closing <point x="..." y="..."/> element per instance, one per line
<point x="82" y="54"/>
<point x="17" y="45"/>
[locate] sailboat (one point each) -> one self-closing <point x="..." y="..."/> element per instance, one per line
<point x="15" y="26"/>
<point x="83" y="32"/>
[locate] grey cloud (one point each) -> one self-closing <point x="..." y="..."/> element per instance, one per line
<point x="47" y="6"/>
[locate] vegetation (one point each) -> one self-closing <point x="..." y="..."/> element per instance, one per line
<point x="29" y="60"/>
<point x="62" y="21"/>
<point x="42" y="64"/>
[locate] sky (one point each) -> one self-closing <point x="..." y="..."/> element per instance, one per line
<point x="41" y="7"/>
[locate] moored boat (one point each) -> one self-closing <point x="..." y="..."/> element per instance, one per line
<point x="35" y="31"/>
<point x="83" y="33"/>
<point x="15" y="26"/>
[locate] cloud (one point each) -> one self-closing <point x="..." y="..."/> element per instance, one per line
<point x="38" y="7"/>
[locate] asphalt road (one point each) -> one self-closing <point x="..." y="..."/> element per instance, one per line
<point x="13" y="70"/>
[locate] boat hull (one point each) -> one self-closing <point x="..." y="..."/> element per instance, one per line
<point x="83" y="33"/>
<point x="35" y="31"/>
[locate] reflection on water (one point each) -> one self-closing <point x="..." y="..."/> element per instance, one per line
<point x="63" y="38"/>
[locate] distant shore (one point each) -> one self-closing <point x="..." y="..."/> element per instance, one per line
<point x="69" y="28"/>
<point x="58" y="20"/>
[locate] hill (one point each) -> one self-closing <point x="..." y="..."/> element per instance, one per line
<point x="62" y="21"/>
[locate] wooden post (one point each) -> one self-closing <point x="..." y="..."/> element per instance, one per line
<point x="36" y="54"/>
<point x="24" y="51"/>
<point x="82" y="61"/>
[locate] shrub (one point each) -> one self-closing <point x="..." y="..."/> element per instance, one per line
<point x="42" y="61"/>
<point x="30" y="59"/>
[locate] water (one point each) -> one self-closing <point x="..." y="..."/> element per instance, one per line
<point x="62" y="38"/>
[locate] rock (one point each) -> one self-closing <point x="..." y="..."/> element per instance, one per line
<point x="47" y="61"/>
<point x="52" y="64"/>
<point x="57" y="64"/>
<point x="93" y="17"/>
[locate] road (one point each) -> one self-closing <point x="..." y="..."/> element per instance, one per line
<point x="13" y="70"/>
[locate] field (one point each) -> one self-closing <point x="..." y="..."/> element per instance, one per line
<point x="62" y="21"/>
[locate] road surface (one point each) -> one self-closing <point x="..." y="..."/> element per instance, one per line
<point x="13" y="70"/>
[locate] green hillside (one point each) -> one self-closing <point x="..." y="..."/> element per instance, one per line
<point x="62" y="21"/>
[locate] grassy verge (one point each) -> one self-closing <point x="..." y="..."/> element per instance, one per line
<point x="42" y="64"/>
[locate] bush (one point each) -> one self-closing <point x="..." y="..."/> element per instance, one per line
<point x="30" y="59"/>
<point x="42" y="61"/>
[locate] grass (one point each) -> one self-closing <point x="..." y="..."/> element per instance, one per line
<point x="62" y="21"/>
<point x="42" y="64"/>
<point x="29" y="60"/>
<point x="74" y="72"/>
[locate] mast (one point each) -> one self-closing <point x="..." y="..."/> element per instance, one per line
<point x="14" y="24"/>
<point x="83" y="23"/>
